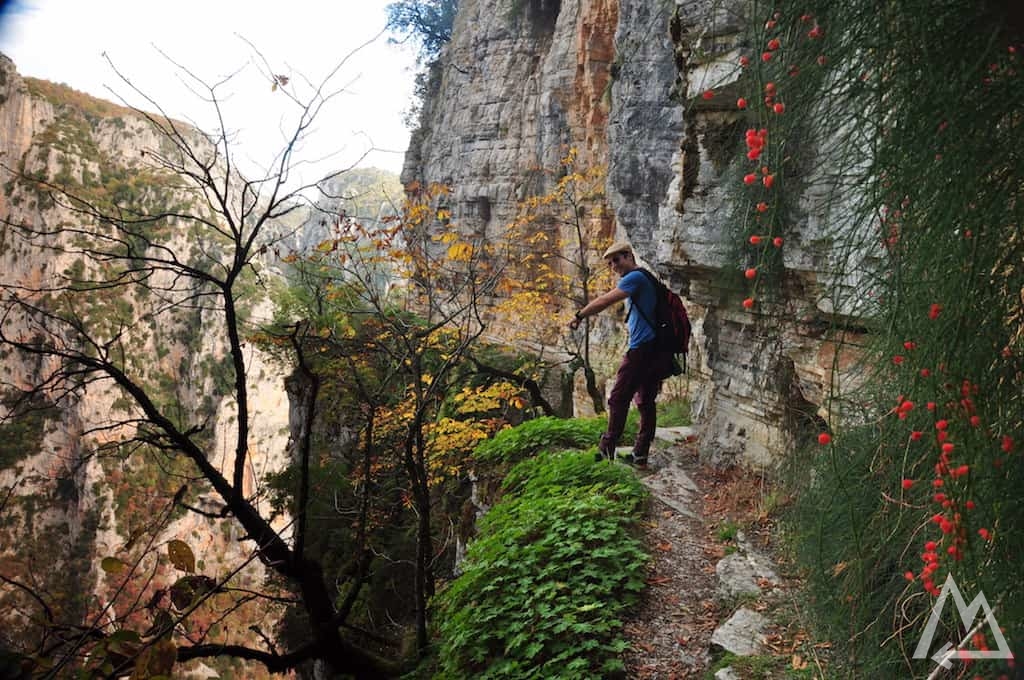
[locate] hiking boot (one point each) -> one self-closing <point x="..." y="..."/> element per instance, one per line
<point x="639" y="462"/>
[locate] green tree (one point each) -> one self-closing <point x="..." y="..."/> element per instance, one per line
<point x="426" y="22"/>
<point x="551" y="246"/>
<point x="390" y="315"/>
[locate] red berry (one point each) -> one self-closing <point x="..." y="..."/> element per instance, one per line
<point x="777" y="241"/>
<point x="741" y="103"/>
<point x="755" y="240"/>
<point x="824" y="438"/>
<point x="779" y="108"/>
<point x="750" y="273"/>
<point x="708" y="94"/>
<point x="748" y="303"/>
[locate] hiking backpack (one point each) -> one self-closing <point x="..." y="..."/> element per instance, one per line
<point x="672" y="325"/>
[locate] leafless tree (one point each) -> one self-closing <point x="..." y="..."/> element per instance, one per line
<point x="181" y="235"/>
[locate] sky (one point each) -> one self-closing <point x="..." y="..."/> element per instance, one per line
<point x="304" y="40"/>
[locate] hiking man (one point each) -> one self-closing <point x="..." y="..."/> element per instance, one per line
<point x="643" y="367"/>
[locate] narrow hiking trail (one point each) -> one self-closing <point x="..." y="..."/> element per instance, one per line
<point x="712" y="588"/>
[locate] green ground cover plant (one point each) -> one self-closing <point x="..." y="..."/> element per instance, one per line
<point x="546" y="434"/>
<point x="555" y="565"/>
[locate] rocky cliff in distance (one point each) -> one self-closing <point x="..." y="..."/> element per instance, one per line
<point x="620" y="80"/>
<point x="67" y="504"/>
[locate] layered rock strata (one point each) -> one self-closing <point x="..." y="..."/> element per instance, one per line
<point x="620" y="81"/>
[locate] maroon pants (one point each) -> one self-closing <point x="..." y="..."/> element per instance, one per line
<point x="639" y="378"/>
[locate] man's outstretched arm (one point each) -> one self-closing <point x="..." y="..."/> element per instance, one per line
<point x="597" y="305"/>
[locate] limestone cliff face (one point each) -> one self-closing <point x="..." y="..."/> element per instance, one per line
<point x="67" y="504"/>
<point x="519" y="84"/>
<point x="620" y="79"/>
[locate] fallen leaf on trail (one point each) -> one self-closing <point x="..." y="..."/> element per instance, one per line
<point x="658" y="580"/>
<point x="664" y="547"/>
<point x="798" y="663"/>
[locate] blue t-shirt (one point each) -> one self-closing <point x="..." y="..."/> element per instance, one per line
<point x="641" y="292"/>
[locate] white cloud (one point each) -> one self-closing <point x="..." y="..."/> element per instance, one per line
<point x="63" y="41"/>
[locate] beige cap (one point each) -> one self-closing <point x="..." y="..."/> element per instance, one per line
<point x="617" y="247"/>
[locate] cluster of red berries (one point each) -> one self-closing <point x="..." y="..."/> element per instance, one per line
<point x="947" y="489"/>
<point x="757" y="139"/>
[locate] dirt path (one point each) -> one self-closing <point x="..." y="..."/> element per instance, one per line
<point x="671" y="629"/>
<point x="693" y="521"/>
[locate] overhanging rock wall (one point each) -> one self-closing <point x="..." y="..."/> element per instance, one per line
<point x="621" y="81"/>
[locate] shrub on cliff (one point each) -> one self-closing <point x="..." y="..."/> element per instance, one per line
<point x="545" y="584"/>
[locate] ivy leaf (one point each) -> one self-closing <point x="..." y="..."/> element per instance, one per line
<point x="124" y="642"/>
<point x="162" y="622"/>
<point x="156" y="661"/>
<point x="112" y="565"/>
<point x="181" y="556"/>
<point x="185" y="591"/>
